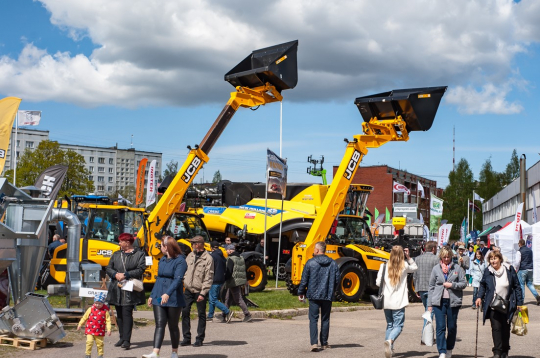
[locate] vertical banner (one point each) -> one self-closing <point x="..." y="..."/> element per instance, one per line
<point x="8" y="109"/>
<point x="444" y="233"/>
<point x="517" y="222"/>
<point x="50" y="181"/>
<point x="435" y="211"/>
<point x="387" y="217"/>
<point x="277" y="174"/>
<point x="463" y="231"/>
<point x="140" y="182"/>
<point x="151" y="184"/>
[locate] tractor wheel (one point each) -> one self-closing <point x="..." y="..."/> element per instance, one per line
<point x="293" y="289"/>
<point x="412" y="290"/>
<point x="280" y="273"/>
<point x="352" y="283"/>
<point x="256" y="274"/>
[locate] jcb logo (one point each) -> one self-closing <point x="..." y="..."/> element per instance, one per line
<point x="2" y="153"/>
<point x="104" y="253"/>
<point x="195" y="163"/>
<point x="353" y="163"/>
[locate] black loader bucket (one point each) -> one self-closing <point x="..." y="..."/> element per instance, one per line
<point x="276" y="65"/>
<point x="417" y="106"/>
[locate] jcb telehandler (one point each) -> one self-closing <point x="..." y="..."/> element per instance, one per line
<point x="388" y="116"/>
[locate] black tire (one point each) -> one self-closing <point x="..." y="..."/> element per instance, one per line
<point x="281" y="273"/>
<point x="412" y="291"/>
<point x="256" y="273"/>
<point x="352" y="283"/>
<point x="293" y="289"/>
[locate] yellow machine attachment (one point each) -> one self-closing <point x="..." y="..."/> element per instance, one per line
<point x="259" y="79"/>
<point x="388" y="117"/>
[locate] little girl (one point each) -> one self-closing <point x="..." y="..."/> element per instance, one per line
<point x="98" y="320"/>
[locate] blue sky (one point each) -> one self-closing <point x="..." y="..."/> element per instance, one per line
<point x="102" y="71"/>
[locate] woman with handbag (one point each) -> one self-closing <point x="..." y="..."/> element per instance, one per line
<point x="126" y="264"/>
<point x="167" y="297"/>
<point x="478" y="266"/>
<point x="393" y="277"/>
<point x="501" y="292"/>
<point x="445" y="295"/>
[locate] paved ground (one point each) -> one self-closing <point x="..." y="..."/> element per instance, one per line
<point x="352" y="334"/>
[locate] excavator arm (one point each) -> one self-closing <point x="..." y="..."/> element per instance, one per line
<point x="389" y="117"/>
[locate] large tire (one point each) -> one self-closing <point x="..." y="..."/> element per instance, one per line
<point x="281" y="273"/>
<point x="293" y="289"/>
<point x="352" y="283"/>
<point x="256" y="274"/>
<point x="412" y="290"/>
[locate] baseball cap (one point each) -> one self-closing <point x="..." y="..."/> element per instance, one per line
<point x="230" y="247"/>
<point x="100" y="297"/>
<point x="461" y="247"/>
<point x="482" y="242"/>
<point x="214" y="244"/>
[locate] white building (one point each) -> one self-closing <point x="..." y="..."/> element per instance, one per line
<point x="501" y="208"/>
<point x="26" y="139"/>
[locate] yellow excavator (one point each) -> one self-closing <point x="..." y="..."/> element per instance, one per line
<point x="388" y="117"/>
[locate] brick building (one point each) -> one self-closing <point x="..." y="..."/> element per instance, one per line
<point x="381" y="177"/>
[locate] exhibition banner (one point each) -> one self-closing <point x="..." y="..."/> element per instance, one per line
<point x="435" y="211"/>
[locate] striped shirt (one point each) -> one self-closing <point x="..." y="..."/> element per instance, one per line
<point x="425" y="264"/>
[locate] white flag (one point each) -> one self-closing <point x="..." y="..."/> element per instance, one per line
<point x="477" y="197"/>
<point x="151" y="184"/>
<point x="421" y="190"/>
<point x="421" y="218"/>
<point x="28" y="118"/>
<point x="517" y="221"/>
<point x="400" y="188"/>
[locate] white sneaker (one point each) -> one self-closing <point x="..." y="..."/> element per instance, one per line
<point x="442" y="355"/>
<point x="174" y="355"/>
<point x="388" y="349"/>
<point x="448" y="353"/>
<point x="151" y="355"/>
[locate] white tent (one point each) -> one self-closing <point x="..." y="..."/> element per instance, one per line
<point x="508" y="241"/>
<point x="531" y="235"/>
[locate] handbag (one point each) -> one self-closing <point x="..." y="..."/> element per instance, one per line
<point x="499" y="304"/>
<point x="519" y="327"/>
<point x="378" y="300"/>
<point x="137" y="284"/>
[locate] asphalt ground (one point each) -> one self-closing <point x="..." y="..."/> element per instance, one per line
<point x="352" y="334"/>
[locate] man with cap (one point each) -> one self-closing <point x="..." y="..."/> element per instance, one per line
<point x="98" y="321"/>
<point x="197" y="282"/>
<point x="463" y="260"/>
<point x="483" y="247"/>
<point x="235" y="279"/>
<point x="220" y="264"/>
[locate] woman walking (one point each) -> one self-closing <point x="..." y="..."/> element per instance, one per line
<point x="125" y="264"/>
<point x="167" y="298"/>
<point x="478" y="266"/>
<point x="471" y="255"/>
<point x="499" y="279"/>
<point x="446" y="286"/>
<point x="395" y="293"/>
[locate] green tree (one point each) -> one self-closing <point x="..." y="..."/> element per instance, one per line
<point x="48" y="153"/>
<point x="217" y="177"/>
<point x="512" y="170"/>
<point x="456" y="194"/>
<point x="490" y="182"/>
<point x="171" y="168"/>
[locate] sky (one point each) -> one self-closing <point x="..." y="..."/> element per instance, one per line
<point x="103" y="71"/>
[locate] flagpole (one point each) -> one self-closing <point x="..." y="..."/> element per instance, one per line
<point x="468" y="220"/>
<point x="417" y="198"/>
<point x="279" y="243"/>
<point x="15" y="155"/>
<point x="472" y="214"/>
<point x="265" y="210"/>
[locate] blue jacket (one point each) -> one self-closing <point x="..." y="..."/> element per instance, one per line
<point x="487" y="290"/>
<point x="170" y="275"/>
<point x="320" y="278"/>
<point x="220" y="264"/>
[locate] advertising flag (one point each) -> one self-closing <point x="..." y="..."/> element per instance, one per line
<point x="421" y="190"/>
<point x="277" y="174"/>
<point x="388" y="217"/>
<point x="151" y="184"/>
<point x="477" y="197"/>
<point x="400" y="188"/>
<point x="50" y="181"/>
<point x="421" y="218"/>
<point x="376" y="214"/>
<point x="435" y="212"/>
<point x="140" y="182"/>
<point x="444" y="233"/>
<point x="463" y="231"/>
<point x="8" y="109"/>
<point x="28" y="118"/>
<point x="517" y="221"/>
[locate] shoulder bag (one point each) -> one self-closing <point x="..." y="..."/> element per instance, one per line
<point x="499" y="304"/>
<point x="378" y="300"/>
<point x="137" y="284"/>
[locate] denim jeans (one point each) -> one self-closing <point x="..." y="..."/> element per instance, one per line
<point x="424" y="298"/>
<point x="446" y="316"/>
<point x="214" y="301"/>
<point x="526" y="278"/>
<point x="395" y="319"/>
<point x="325" y="307"/>
<point x="475" y="295"/>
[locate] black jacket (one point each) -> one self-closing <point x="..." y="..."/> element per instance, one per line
<point x="135" y="266"/>
<point x="487" y="290"/>
<point x="220" y="264"/>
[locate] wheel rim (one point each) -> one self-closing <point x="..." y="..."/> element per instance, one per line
<point x="350" y="284"/>
<point x="255" y="276"/>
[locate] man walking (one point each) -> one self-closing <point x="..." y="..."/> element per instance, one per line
<point x="524" y="268"/>
<point x="463" y="260"/>
<point x="235" y="279"/>
<point x="220" y="263"/>
<point x="484" y="249"/>
<point x="320" y="278"/>
<point x="425" y="264"/>
<point x="197" y="282"/>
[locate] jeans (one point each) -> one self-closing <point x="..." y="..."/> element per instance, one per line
<point x="526" y="278"/>
<point x="424" y="298"/>
<point x="124" y="320"/>
<point x="500" y="332"/>
<point x="191" y="298"/>
<point x="475" y="295"/>
<point x="164" y="316"/>
<point x="214" y="301"/>
<point x="325" y="307"/>
<point x="446" y="316"/>
<point x="395" y="319"/>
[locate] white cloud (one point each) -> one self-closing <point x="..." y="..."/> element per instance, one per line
<point x="176" y="52"/>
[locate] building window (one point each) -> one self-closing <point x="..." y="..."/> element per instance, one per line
<point x="91" y="177"/>
<point x="111" y="170"/>
<point x="102" y="179"/>
<point x="91" y="159"/>
<point x="110" y="188"/>
<point x="101" y="160"/>
<point x="110" y="179"/>
<point x="91" y="169"/>
<point x="18" y="143"/>
<point x="30" y="144"/>
<point x="101" y="170"/>
<point x="111" y="161"/>
<point x="100" y="188"/>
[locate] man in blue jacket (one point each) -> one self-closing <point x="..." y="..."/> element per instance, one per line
<point x="320" y="278"/>
<point x="220" y="265"/>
